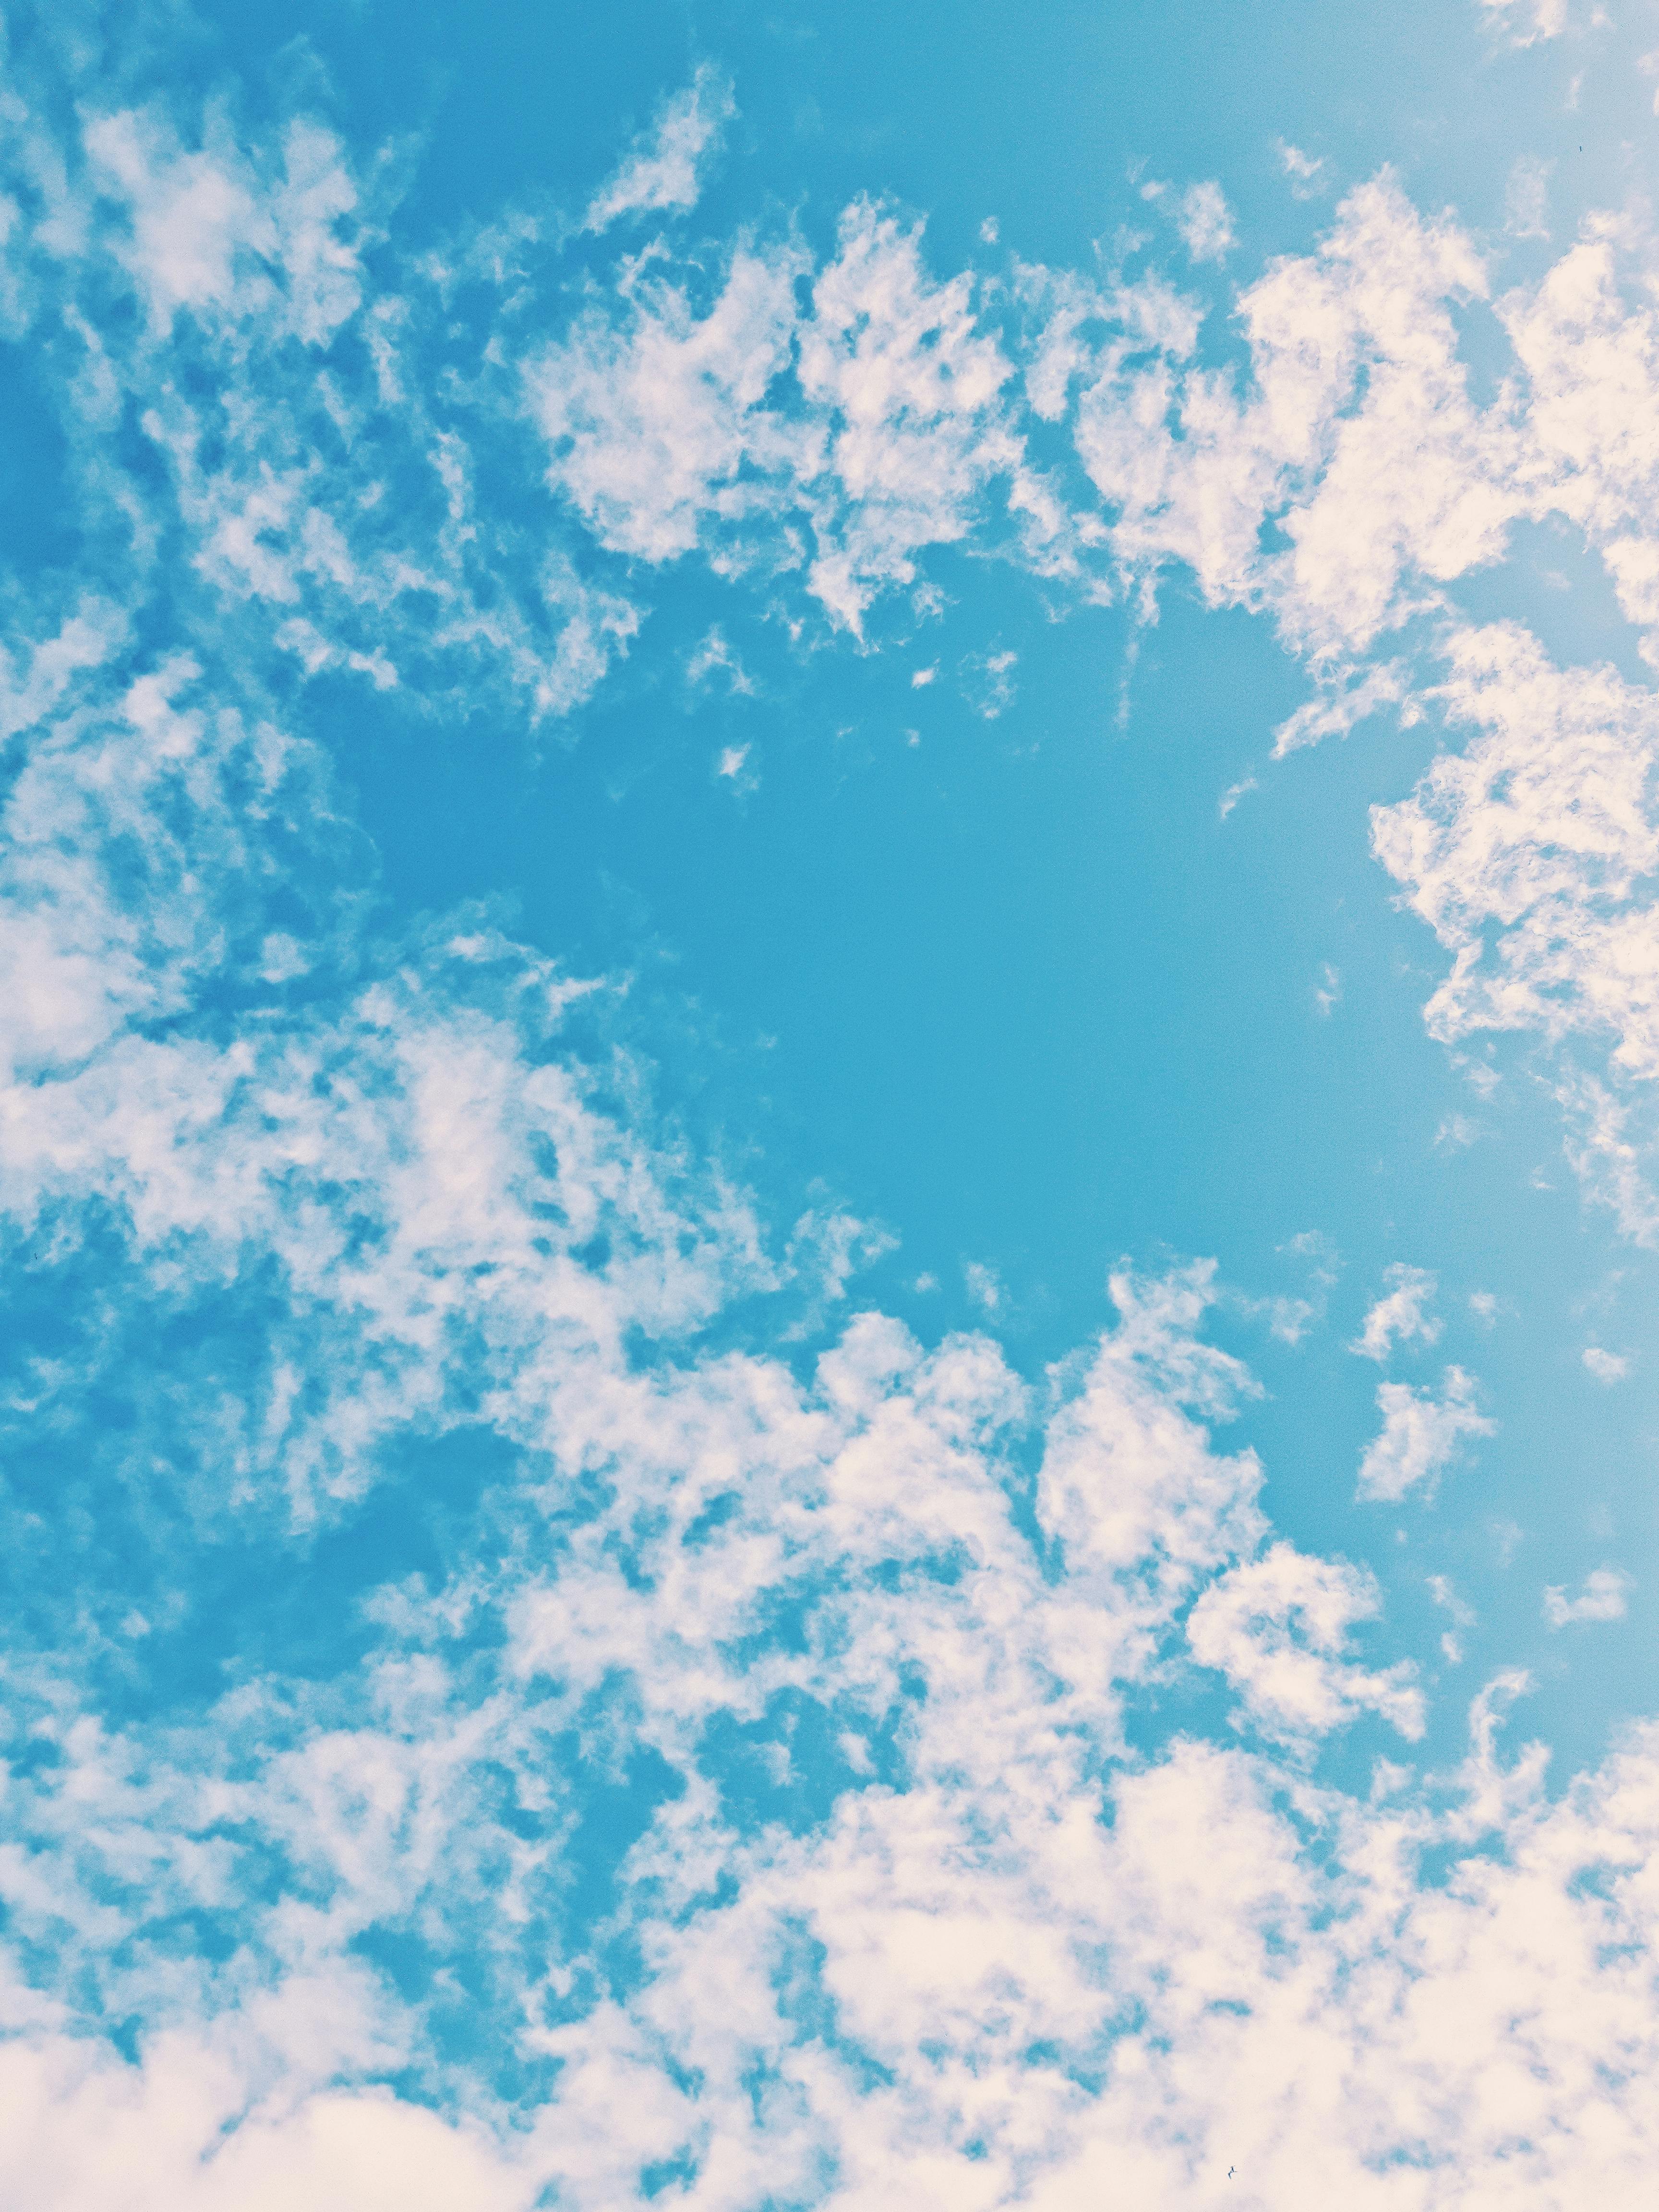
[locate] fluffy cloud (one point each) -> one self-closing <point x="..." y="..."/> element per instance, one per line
<point x="1277" y="1628"/>
<point x="1421" y="1435"/>
<point x="1602" y="1598"/>
<point x="1401" y="1316"/>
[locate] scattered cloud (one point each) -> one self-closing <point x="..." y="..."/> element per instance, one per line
<point x="1524" y="22"/>
<point x="715" y="657"/>
<point x="988" y="682"/>
<point x="1304" y="171"/>
<point x="1421" y="1436"/>
<point x="1401" y="1316"/>
<point x="1605" y="1366"/>
<point x="1602" y="1597"/>
<point x="665" y="172"/>
<point x="749" y="1650"/>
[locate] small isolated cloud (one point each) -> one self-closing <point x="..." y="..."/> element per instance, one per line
<point x="715" y="657"/>
<point x="664" y="170"/>
<point x="1290" y="1318"/>
<point x="1524" y="22"/>
<point x="1526" y="199"/>
<point x="1342" y="702"/>
<point x="1206" y="222"/>
<point x="1601" y="1598"/>
<point x="1484" y="1305"/>
<point x="1456" y="1133"/>
<point x="1234" y="793"/>
<point x="1401" y="1315"/>
<point x="988" y="682"/>
<point x="988" y="231"/>
<point x="1327" y="993"/>
<point x="1421" y="1435"/>
<point x="1305" y="171"/>
<point x="984" y="1286"/>
<point x="920" y="676"/>
<point x="733" y="765"/>
<point x="1451" y="1645"/>
<point x="1605" y="1366"/>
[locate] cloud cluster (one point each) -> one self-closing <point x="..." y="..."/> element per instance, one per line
<point x="476" y="1733"/>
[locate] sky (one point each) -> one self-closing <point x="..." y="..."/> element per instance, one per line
<point x="829" y="1107"/>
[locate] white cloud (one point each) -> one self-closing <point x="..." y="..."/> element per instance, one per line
<point x="1401" y="1316"/>
<point x="666" y="170"/>
<point x="1206" y="224"/>
<point x="1602" y="1598"/>
<point x="988" y="682"/>
<point x="652" y="418"/>
<point x="1277" y="1628"/>
<point x="715" y="656"/>
<point x="208" y="234"/>
<point x="1355" y="377"/>
<point x="1304" y="170"/>
<point x="665" y="433"/>
<point x="908" y="392"/>
<point x="1605" y="1366"/>
<point x="1538" y="832"/>
<point x="1523" y="23"/>
<point x="1347" y="698"/>
<point x="1421" y="1435"/>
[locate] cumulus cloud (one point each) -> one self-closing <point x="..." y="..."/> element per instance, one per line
<point x="1401" y="1316"/>
<point x="1602" y="1598"/>
<point x="1421" y="1435"/>
<point x="664" y="170"/>
<point x="1277" y="1629"/>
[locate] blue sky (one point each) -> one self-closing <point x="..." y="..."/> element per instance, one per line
<point x="827" y="1063"/>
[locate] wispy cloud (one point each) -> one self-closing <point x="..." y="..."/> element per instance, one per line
<point x="664" y="170"/>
